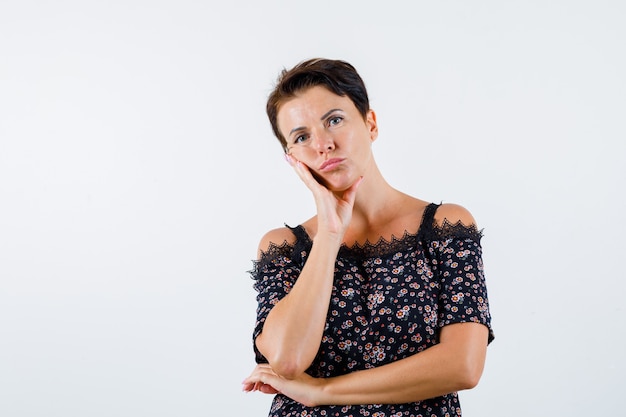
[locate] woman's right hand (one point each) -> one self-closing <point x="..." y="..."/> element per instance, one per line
<point x="334" y="210"/>
<point x="293" y="329"/>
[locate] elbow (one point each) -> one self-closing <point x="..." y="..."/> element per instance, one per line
<point x="287" y="367"/>
<point x="284" y="366"/>
<point x="469" y="375"/>
<point x="286" y="363"/>
<point x="468" y="381"/>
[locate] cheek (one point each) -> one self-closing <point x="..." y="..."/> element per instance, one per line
<point x="302" y="154"/>
<point x="302" y="151"/>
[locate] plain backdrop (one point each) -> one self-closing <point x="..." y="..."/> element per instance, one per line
<point x="138" y="173"/>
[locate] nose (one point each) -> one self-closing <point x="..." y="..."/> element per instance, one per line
<point x="324" y="143"/>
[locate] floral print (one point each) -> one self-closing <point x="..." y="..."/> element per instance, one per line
<point x="389" y="301"/>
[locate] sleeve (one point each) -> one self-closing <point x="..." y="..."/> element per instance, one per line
<point x="274" y="274"/>
<point x="463" y="290"/>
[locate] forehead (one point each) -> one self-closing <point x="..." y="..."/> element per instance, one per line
<point x="313" y="102"/>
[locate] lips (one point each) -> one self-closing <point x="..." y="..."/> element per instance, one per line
<point x="331" y="163"/>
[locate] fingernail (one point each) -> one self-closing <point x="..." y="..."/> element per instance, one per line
<point x="288" y="158"/>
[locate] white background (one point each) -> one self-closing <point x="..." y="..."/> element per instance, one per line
<point x="138" y="173"/>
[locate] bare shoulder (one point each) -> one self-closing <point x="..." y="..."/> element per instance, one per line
<point x="453" y="214"/>
<point x="276" y="237"/>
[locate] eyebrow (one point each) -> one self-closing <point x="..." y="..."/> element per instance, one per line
<point x="300" y="128"/>
<point x="328" y="113"/>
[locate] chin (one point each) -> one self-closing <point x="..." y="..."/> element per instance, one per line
<point x="338" y="184"/>
<point x="338" y="187"/>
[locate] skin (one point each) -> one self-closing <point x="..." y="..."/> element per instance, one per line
<point x="354" y="204"/>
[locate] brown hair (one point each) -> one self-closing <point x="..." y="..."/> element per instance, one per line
<point x="337" y="76"/>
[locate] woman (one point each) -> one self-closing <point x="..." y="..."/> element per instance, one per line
<point x="377" y="305"/>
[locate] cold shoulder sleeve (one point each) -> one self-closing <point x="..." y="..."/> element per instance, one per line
<point x="274" y="273"/>
<point x="456" y="253"/>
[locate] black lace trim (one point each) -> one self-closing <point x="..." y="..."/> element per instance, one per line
<point x="456" y="230"/>
<point x="274" y="251"/>
<point x="426" y="233"/>
<point x="381" y="247"/>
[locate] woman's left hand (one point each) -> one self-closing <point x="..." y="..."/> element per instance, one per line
<point x="305" y="389"/>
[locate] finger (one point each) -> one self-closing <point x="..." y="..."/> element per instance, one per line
<point x="303" y="172"/>
<point x="270" y="380"/>
<point x="350" y="194"/>
<point x="251" y="382"/>
<point x="249" y="386"/>
<point x="268" y="389"/>
<point x="261" y="381"/>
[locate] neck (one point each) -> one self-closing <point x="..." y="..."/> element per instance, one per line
<point x="375" y="199"/>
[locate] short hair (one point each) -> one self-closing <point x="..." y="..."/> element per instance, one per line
<point x="337" y="76"/>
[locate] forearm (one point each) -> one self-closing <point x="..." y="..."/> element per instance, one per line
<point x="450" y="366"/>
<point x="293" y="329"/>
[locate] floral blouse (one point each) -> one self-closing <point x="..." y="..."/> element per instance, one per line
<point x="389" y="301"/>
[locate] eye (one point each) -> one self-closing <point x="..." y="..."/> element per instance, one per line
<point x="335" y="120"/>
<point x="300" y="138"/>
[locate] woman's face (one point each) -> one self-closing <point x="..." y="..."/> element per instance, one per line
<point x="327" y="133"/>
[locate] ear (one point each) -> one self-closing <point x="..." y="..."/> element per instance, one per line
<point x="372" y="126"/>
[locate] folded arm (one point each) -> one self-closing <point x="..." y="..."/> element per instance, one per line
<point x="456" y="363"/>
<point x="293" y="329"/>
